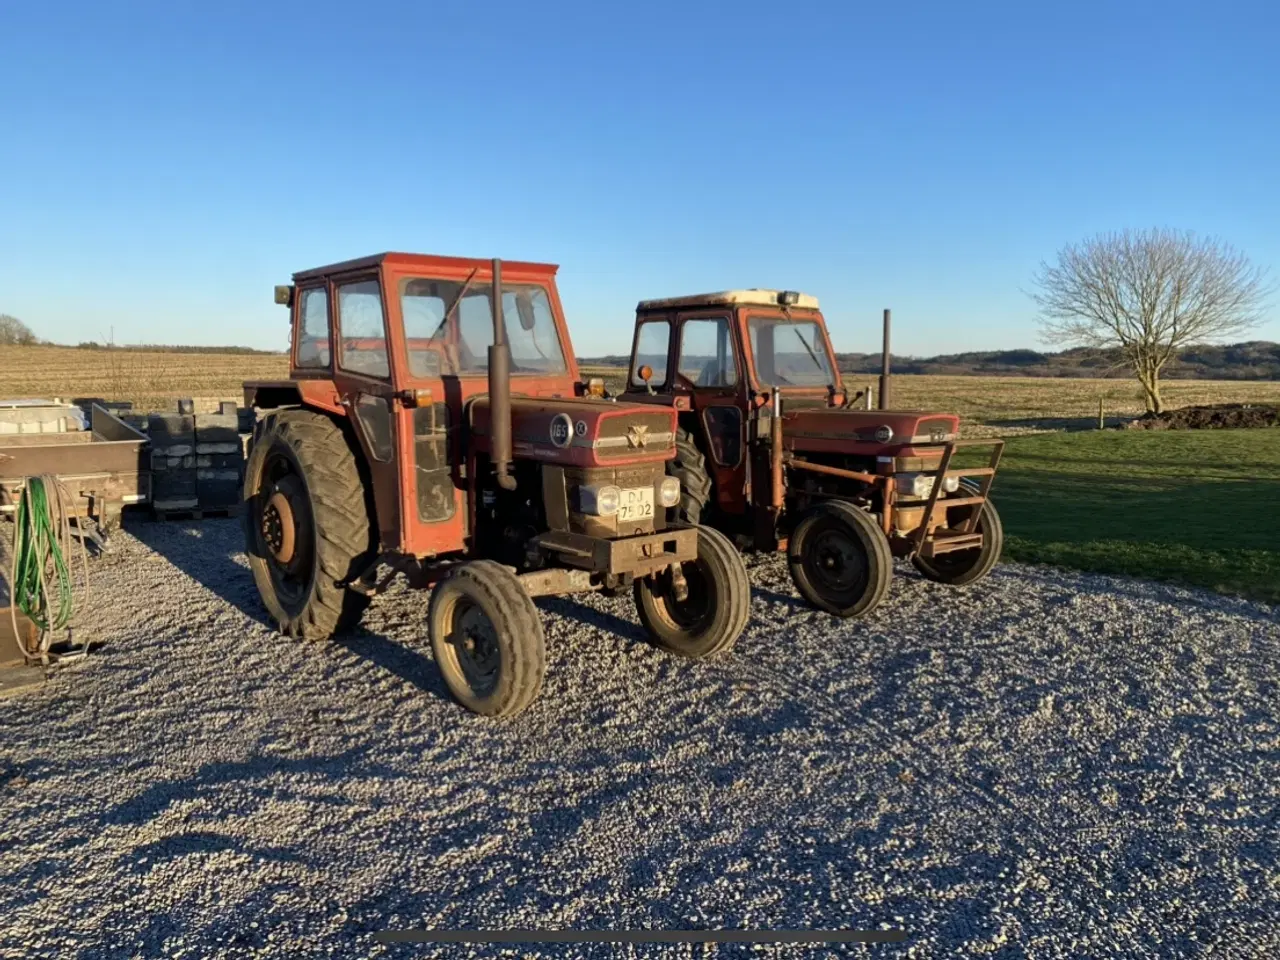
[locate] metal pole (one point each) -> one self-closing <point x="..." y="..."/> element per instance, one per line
<point x="500" y="388"/>
<point x="777" y="494"/>
<point x="884" y="366"/>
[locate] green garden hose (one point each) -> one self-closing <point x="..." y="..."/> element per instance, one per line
<point x="41" y="578"/>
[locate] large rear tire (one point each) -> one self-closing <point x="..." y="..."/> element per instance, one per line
<point x="715" y="611"/>
<point x="690" y="467"/>
<point x="307" y="523"/>
<point x="840" y="559"/>
<point x="487" y="638"/>
<point x="963" y="567"/>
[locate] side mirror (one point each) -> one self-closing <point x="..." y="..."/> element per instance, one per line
<point x="284" y="295"/>
<point x="524" y="307"/>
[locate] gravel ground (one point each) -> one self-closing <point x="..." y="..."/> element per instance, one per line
<point x="1048" y="765"/>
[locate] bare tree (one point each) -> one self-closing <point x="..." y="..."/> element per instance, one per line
<point x="13" y="332"/>
<point x="1148" y="294"/>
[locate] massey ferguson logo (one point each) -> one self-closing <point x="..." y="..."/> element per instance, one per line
<point x="561" y="430"/>
<point x="637" y="436"/>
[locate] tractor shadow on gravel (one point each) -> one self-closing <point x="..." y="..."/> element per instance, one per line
<point x="406" y="663"/>
<point x="211" y="553"/>
<point x="206" y="551"/>
<point x="570" y="609"/>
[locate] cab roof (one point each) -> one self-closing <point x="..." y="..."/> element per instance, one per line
<point x="753" y="296"/>
<point x="425" y="262"/>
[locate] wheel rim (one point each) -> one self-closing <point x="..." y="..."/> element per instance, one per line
<point x="286" y="536"/>
<point x="836" y="564"/>
<point x="278" y="528"/>
<point x="698" y="606"/>
<point x="472" y="646"/>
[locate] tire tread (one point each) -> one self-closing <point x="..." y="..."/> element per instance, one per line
<point x="344" y="536"/>
<point x="690" y="467"/>
<point x="519" y="628"/>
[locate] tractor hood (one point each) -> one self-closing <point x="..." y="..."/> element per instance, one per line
<point x="584" y="432"/>
<point x="832" y="430"/>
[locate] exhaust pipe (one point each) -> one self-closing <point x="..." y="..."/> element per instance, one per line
<point x="776" y="494"/>
<point x="500" y="388"/>
<point x="884" y="366"/>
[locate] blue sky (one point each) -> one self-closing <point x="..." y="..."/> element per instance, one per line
<point x="162" y="165"/>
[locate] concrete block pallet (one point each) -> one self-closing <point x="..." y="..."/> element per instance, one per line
<point x="197" y="462"/>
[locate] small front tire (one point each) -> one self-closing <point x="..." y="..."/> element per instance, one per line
<point x="715" y="611"/>
<point x="840" y="559"/>
<point x="487" y="638"/>
<point x="963" y="567"/>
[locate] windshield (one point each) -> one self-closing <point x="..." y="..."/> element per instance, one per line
<point x="790" y="353"/>
<point x="460" y="347"/>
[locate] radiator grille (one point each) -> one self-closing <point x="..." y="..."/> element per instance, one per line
<point x="634" y="434"/>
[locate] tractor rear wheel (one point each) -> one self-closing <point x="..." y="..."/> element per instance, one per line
<point x="714" y="609"/>
<point x="487" y="638"/>
<point x="306" y="523"/>
<point x="840" y="559"/>
<point x="690" y="468"/>
<point x="963" y="567"/>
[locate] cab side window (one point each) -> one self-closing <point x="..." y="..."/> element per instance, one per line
<point x="313" y="328"/>
<point x="362" y="330"/>
<point x="652" y="341"/>
<point x="706" y="353"/>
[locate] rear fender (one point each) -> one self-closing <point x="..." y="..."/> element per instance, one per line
<point x="279" y="395"/>
<point x="271" y="394"/>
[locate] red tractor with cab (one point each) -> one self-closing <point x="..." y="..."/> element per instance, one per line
<point x="434" y="425"/>
<point x="773" y="450"/>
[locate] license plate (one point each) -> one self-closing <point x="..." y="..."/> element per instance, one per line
<point x="636" y="504"/>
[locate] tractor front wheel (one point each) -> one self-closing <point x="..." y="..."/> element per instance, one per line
<point x="706" y="613"/>
<point x="960" y="568"/>
<point x="840" y="559"/>
<point x="487" y="638"/>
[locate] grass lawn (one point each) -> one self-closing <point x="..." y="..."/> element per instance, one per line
<point x="1200" y="507"/>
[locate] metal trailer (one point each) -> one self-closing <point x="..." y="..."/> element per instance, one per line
<point x="105" y="467"/>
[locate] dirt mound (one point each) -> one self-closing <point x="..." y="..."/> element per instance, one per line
<point x="1217" y="417"/>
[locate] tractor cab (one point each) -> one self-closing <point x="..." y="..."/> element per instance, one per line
<point x="741" y="341"/>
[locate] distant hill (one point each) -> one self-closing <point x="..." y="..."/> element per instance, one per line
<point x="1255" y="360"/>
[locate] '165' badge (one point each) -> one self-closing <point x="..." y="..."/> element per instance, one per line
<point x="561" y="429"/>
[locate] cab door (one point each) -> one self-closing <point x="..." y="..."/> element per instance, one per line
<point x="709" y="368"/>
<point x="440" y="371"/>
<point x="362" y="375"/>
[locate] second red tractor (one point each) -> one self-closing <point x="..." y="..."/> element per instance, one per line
<point x="772" y="449"/>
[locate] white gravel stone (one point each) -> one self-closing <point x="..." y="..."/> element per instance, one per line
<point x="1049" y="764"/>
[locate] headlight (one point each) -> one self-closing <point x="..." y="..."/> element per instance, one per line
<point x="669" y="492"/>
<point x="915" y="485"/>
<point x="920" y="485"/>
<point x="600" y="501"/>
